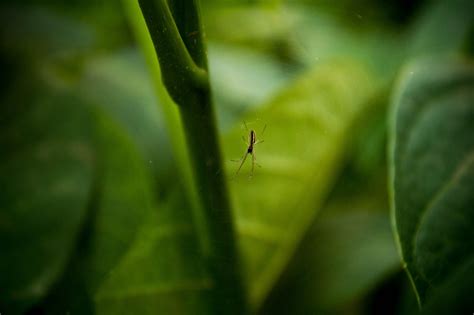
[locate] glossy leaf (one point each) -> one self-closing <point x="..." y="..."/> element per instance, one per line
<point x="348" y="250"/>
<point x="243" y="79"/>
<point x="46" y="174"/>
<point x="120" y="206"/>
<point x="130" y="103"/>
<point x="456" y="18"/>
<point x="432" y="164"/>
<point x="304" y="144"/>
<point x="163" y="272"/>
<point x="165" y="265"/>
<point x="454" y="296"/>
<point x="347" y="255"/>
<point x="124" y="203"/>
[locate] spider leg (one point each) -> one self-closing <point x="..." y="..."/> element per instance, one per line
<point x="255" y="159"/>
<point x="242" y="163"/>
<point x="253" y="164"/>
<point x="259" y="141"/>
<point x="263" y="130"/>
<point x="246" y="128"/>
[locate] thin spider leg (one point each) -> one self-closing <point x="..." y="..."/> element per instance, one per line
<point x="258" y="141"/>
<point x="263" y="130"/>
<point x="246" y="128"/>
<point x="243" y="161"/>
<point x="244" y="140"/>
<point x="253" y="164"/>
<point x="254" y="156"/>
<point x="255" y="160"/>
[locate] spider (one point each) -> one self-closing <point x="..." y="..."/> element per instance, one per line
<point x="252" y="141"/>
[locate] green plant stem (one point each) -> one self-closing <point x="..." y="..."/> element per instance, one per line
<point x="180" y="73"/>
<point x="178" y="41"/>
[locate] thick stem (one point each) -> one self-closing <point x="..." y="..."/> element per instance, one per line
<point x="178" y="39"/>
<point x="219" y="232"/>
<point x="179" y="71"/>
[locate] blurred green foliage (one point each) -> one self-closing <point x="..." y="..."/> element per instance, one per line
<point x="95" y="216"/>
<point x="432" y="174"/>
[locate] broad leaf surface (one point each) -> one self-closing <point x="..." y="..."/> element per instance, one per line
<point x="129" y="102"/>
<point x="433" y="170"/>
<point x="121" y="205"/>
<point x="347" y="255"/>
<point x="304" y="144"/>
<point x="163" y="271"/>
<point x="124" y="201"/>
<point x="347" y="251"/>
<point x="455" y="295"/>
<point x="455" y="16"/>
<point x="46" y="175"/>
<point x="243" y="79"/>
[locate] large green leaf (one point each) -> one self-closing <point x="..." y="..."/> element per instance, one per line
<point x="305" y="141"/>
<point x="443" y="27"/>
<point x="347" y="251"/>
<point x="318" y="37"/>
<point x="45" y="33"/>
<point x="124" y="203"/>
<point x="454" y="296"/>
<point x="259" y="26"/>
<point x="129" y="102"/>
<point x="347" y="255"/>
<point x="46" y="174"/>
<point x="163" y="273"/>
<point x="432" y="164"/>
<point x="120" y="205"/>
<point x="164" y="267"/>
<point x="75" y="189"/>
<point x="242" y="79"/>
<point x="300" y="34"/>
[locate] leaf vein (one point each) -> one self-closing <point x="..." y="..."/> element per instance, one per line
<point x="155" y="289"/>
<point x="456" y="175"/>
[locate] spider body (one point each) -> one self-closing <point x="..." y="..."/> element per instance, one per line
<point x="252" y="141"/>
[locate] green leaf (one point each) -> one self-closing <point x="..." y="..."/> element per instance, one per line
<point x="347" y="255"/>
<point x="305" y="143"/>
<point x="454" y="296"/>
<point x="432" y="176"/>
<point x="111" y="201"/>
<point x="443" y="28"/>
<point x="243" y="79"/>
<point x="164" y="270"/>
<point x="256" y="25"/>
<point x="300" y="34"/>
<point x="163" y="273"/>
<point x="122" y="202"/>
<point x="46" y="34"/>
<point x="319" y="37"/>
<point x="46" y="174"/>
<point x="131" y="103"/>
<point x="347" y="252"/>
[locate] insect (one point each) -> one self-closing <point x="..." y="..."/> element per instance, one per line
<point x="252" y="141"/>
